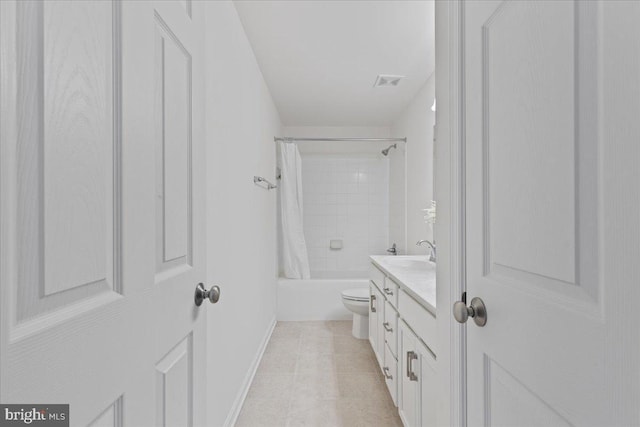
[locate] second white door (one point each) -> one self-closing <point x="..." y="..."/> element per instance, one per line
<point x="553" y="232"/>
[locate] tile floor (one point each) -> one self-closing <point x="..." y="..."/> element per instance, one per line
<point x="318" y="374"/>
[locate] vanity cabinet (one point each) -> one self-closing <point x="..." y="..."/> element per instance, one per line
<point x="402" y="334"/>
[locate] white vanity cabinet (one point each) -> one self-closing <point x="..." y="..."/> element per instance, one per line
<point x="402" y="335"/>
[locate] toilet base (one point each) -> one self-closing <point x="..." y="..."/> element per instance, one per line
<point x="360" y="327"/>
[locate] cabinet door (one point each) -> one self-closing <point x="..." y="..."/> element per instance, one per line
<point x="373" y="317"/>
<point x="380" y="326"/>
<point x="409" y="399"/>
<point x="427" y="386"/>
<point x="376" y="318"/>
<point x="390" y="371"/>
<point x="390" y="327"/>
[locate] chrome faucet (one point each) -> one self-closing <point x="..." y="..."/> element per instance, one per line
<point x="432" y="249"/>
<point x="392" y="250"/>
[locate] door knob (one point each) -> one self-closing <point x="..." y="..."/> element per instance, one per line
<point x="476" y="309"/>
<point x="213" y="294"/>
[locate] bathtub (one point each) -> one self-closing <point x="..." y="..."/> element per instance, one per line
<point x="317" y="298"/>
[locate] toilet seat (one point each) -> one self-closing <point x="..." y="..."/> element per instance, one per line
<point x="358" y="294"/>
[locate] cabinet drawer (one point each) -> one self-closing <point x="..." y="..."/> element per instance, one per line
<point x="376" y="276"/>
<point x="390" y="291"/>
<point x="390" y="326"/>
<point x="419" y="319"/>
<point x="390" y="371"/>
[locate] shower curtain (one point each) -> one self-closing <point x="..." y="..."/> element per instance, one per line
<point x="294" y="248"/>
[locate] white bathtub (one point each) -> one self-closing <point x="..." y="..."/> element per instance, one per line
<point x="317" y="298"/>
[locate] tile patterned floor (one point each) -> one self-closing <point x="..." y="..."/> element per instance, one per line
<point x="318" y="374"/>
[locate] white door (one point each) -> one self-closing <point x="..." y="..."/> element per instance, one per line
<point x="101" y="202"/>
<point x="552" y="107"/>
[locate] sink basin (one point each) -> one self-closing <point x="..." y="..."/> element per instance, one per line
<point x="413" y="263"/>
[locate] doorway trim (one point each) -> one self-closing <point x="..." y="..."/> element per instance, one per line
<point x="450" y="182"/>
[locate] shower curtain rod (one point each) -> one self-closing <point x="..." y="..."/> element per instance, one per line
<point x="294" y="139"/>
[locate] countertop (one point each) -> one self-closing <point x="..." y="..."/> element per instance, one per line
<point x="414" y="274"/>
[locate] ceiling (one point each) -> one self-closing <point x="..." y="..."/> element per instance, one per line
<point x="320" y="59"/>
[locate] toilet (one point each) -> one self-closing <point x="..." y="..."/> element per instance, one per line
<point x="357" y="302"/>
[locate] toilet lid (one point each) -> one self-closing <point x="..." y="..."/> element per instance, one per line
<point x="358" y="294"/>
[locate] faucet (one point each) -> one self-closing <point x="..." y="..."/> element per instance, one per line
<point x="392" y="250"/>
<point x="432" y="249"/>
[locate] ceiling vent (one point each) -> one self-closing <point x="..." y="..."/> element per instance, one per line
<point x="387" y="80"/>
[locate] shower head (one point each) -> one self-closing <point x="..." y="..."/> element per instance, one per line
<point x="386" y="150"/>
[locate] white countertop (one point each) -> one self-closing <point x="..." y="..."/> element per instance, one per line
<point x="415" y="274"/>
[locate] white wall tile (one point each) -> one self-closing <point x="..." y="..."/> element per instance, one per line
<point x="345" y="197"/>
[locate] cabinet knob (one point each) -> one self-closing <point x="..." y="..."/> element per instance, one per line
<point x="387" y="375"/>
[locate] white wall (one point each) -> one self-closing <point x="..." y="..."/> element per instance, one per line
<point x="397" y="198"/>
<point x="416" y="123"/>
<point x="241" y="230"/>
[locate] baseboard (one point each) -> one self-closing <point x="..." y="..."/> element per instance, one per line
<point x="246" y="384"/>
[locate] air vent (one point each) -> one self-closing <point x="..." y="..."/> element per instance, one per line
<point x="387" y="80"/>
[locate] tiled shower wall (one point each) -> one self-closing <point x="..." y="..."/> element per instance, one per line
<point x="346" y="197"/>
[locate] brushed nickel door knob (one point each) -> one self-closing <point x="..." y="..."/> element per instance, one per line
<point x="476" y="310"/>
<point x="213" y="294"/>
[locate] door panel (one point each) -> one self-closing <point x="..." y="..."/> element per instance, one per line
<point x="535" y="197"/>
<point x="111" y="417"/>
<point x="67" y="194"/>
<point x="529" y="162"/>
<point x="539" y="198"/>
<point x="173" y="168"/>
<point x="525" y="408"/>
<point x="174" y="383"/>
<point x="90" y="316"/>
<point x="76" y="103"/>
